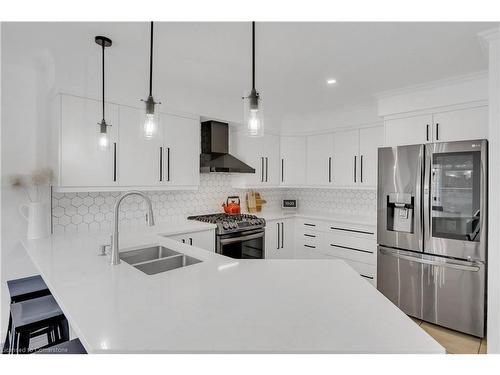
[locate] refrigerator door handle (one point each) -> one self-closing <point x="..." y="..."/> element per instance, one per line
<point x="473" y="266"/>
<point x="427" y="206"/>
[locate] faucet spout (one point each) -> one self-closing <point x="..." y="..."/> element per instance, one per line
<point x="115" y="248"/>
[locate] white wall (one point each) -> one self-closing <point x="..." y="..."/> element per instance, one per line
<point x="23" y="149"/>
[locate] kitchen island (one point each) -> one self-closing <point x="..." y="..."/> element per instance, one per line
<point x="220" y="305"/>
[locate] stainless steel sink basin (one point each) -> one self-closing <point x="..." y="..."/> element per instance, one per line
<point x="146" y="254"/>
<point x="156" y="259"/>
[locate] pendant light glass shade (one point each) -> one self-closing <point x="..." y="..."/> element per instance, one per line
<point x="150" y="125"/>
<point x="253" y="113"/>
<point x="103" y="140"/>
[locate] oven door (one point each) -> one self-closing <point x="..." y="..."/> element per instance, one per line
<point x="242" y="245"/>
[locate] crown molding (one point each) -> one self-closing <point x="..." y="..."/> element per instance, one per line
<point x="490" y="34"/>
<point x="433" y="84"/>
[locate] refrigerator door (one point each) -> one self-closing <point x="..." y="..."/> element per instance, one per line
<point x="455" y="199"/>
<point x="400" y="280"/>
<point x="454" y="295"/>
<point x="399" y="200"/>
<point x="439" y="290"/>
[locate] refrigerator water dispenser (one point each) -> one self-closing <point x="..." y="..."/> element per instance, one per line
<point x="400" y="212"/>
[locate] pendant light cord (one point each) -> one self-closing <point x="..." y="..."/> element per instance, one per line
<point x="253" y="55"/>
<point x="103" y="117"/>
<point x="151" y="63"/>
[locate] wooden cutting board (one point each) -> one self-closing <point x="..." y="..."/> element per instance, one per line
<point x="254" y="201"/>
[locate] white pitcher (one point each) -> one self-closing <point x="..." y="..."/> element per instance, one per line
<point x="36" y="215"/>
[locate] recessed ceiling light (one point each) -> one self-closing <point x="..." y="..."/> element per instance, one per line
<point x="331" y="81"/>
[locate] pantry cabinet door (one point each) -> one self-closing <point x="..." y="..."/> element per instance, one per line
<point x="181" y="151"/>
<point x="293" y="161"/>
<point x="139" y="158"/>
<point x="345" y="158"/>
<point x="319" y="160"/>
<point x="370" y="139"/>
<point x="82" y="164"/>
<point x="408" y="131"/>
<point x="461" y="125"/>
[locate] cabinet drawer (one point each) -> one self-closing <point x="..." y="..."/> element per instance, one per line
<point x="354" y="243"/>
<point x="367" y="271"/>
<point x="349" y="253"/>
<point x="310" y="224"/>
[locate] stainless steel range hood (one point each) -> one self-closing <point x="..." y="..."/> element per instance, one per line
<point x="215" y="155"/>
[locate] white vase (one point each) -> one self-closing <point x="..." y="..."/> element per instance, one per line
<point x="35" y="214"/>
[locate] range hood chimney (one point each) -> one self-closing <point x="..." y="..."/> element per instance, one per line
<point x="215" y="155"/>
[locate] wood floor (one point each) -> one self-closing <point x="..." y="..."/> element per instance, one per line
<point x="454" y="342"/>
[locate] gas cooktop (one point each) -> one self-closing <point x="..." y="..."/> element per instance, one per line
<point x="231" y="223"/>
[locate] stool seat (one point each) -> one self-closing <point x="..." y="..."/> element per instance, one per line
<point x="35" y="310"/>
<point x="68" y="347"/>
<point x="27" y="288"/>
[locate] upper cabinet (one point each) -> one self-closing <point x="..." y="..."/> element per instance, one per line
<point x="319" y="161"/>
<point x="293" y="161"/>
<point x="80" y="162"/>
<point x="181" y="150"/>
<point x="370" y="139"/>
<point x="455" y="125"/>
<point x="171" y="159"/>
<point x="262" y="154"/>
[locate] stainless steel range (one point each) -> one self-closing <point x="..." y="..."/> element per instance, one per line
<point x="237" y="236"/>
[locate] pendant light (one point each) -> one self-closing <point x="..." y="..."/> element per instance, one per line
<point x="150" y="126"/>
<point x="102" y="127"/>
<point x="252" y="104"/>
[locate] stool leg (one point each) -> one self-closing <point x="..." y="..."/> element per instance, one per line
<point x="64" y="330"/>
<point x="23" y="344"/>
<point x="8" y="337"/>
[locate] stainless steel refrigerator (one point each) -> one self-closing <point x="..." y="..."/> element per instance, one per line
<point x="432" y="232"/>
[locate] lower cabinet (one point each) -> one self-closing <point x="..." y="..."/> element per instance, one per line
<point x="280" y="239"/>
<point x="204" y="239"/>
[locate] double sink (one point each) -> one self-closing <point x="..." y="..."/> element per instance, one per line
<point x="156" y="259"/>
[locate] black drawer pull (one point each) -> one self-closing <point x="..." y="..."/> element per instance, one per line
<point x="310" y="246"/>
<point x="352" y="248"/>
<point x="366" y="277"/>
<point x="309" y="225"/>
<point x="351" y="230"/>
<point x="309" y="235"/>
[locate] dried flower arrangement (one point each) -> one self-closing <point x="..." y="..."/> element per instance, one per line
<point x="32" y="184"/>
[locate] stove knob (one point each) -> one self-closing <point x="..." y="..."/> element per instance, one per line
<point x="234" y="225"/>
<point x="225" y="225"/>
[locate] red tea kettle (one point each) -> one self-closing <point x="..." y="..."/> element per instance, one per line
<point x="232" y="207"/>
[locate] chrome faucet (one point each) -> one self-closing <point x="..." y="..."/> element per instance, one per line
<point x="115" y="250"/>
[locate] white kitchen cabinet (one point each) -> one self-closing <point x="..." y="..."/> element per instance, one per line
<point x="203" y="239"/>
<point x="408" y="131"/>
<point x="81" y="164"/>
<point x="370" y="139"/>
<point x="345" y="158"/>
<point x="280" y="239"/>
<point x="293" y="161"/>
<point x="180" y="151"/>
<point x="262" y="154"/>
<point x="461" y="125"/>
<point x="320" y="153"/>
<point x="139" y="161"/>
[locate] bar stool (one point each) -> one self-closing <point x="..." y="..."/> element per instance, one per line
<point x="37" y="316"/>
<point x="21" y="290"/>
<point x="68" y="347"/>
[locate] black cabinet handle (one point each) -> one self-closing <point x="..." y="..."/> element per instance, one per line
<point x="427" y="132"/>
<point x="282" y="235"/>
<point x="161" y="164"/>
<point x="190" y="241"/>
<point x="168" y="163"/>
<point x="330" y="169"/>
<point x="355" y="162"/>
<point x="114" y="161"/>
<point x="310" y="246"/>
<point x="183" y="240"/>
<point x="361" y="168"/>
<point x="309" y="235"/>
<point x="309" y="225"/>
<point x="278" y="225"/>
<point x="282" y="170"/>
<point x="261" y="169"/>
<point x="437" y="131"/>
<point x="351" y="248"/>
<point x="267" y="169"/>
<point x="351" y="230"/>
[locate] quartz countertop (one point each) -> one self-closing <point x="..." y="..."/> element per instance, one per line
<point x="218" y="305"/>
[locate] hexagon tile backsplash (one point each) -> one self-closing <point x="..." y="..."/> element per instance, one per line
<point x="84" y="212"/>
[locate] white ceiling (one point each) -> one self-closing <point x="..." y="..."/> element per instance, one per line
<point x="294" y="59"/>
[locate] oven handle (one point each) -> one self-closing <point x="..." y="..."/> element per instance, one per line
<point x="241" y="239"/>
